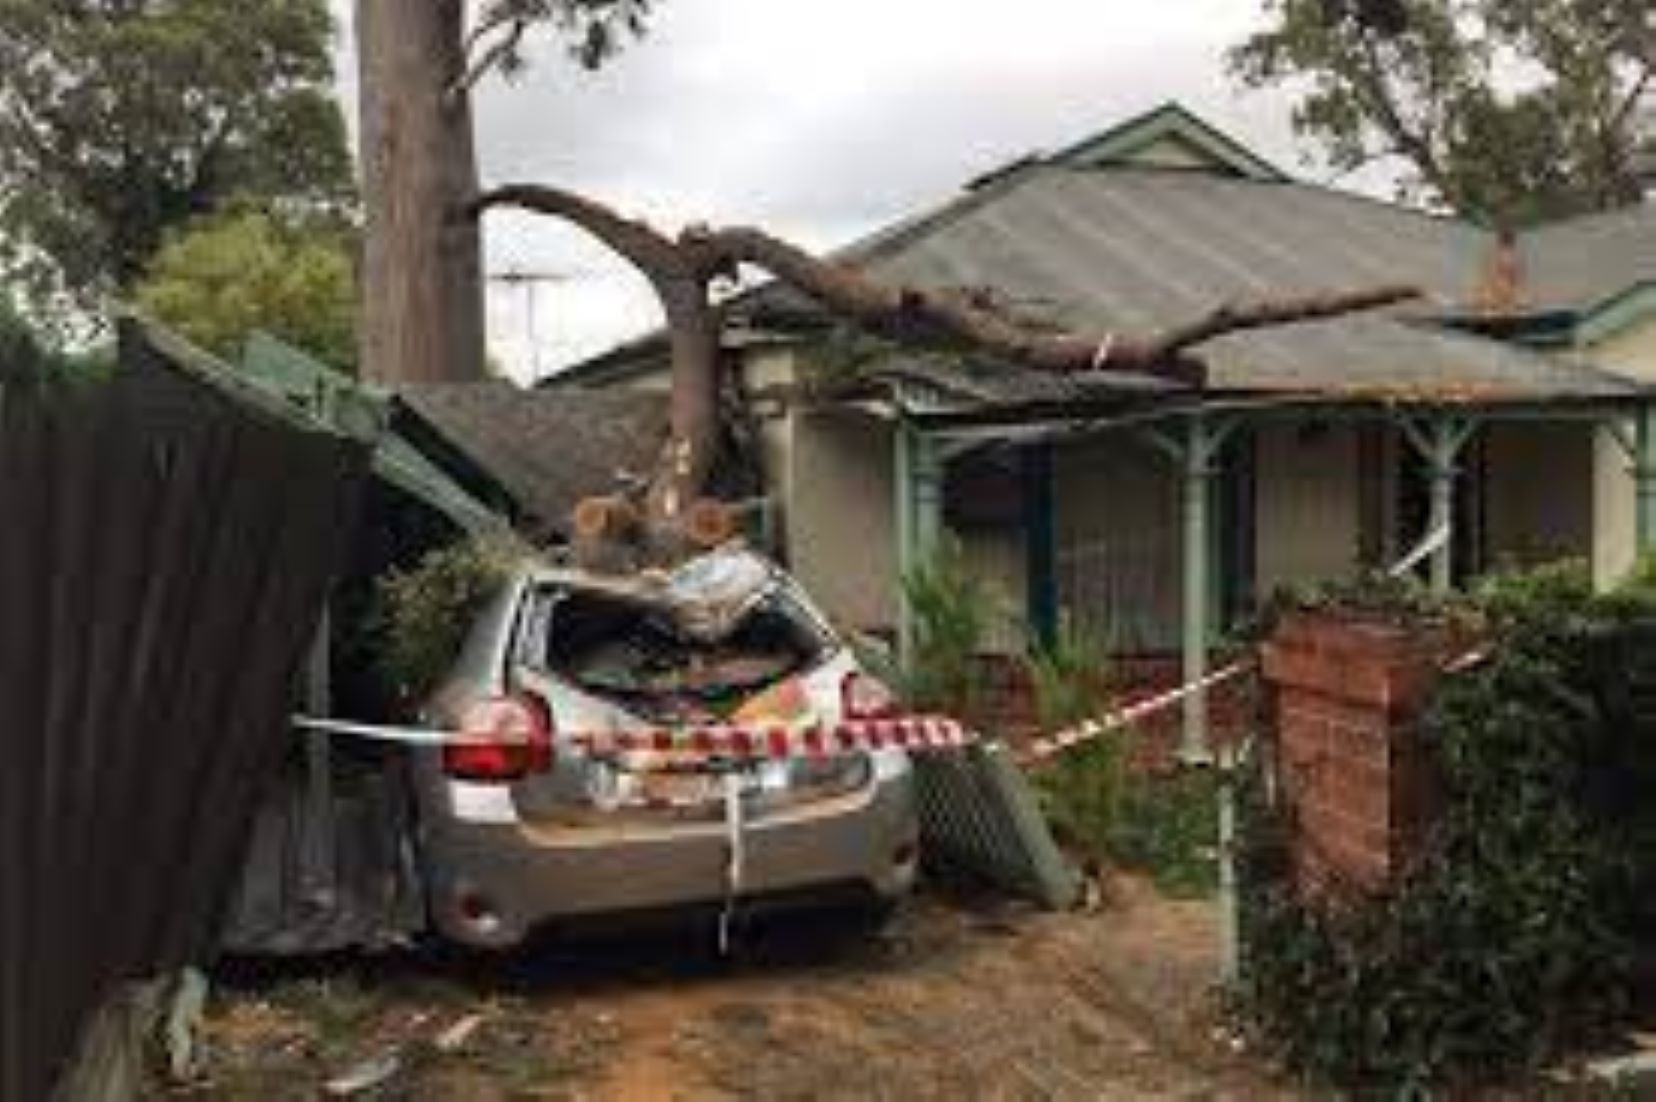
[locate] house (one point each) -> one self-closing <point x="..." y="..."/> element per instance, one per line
<point x="1500" y="419"/>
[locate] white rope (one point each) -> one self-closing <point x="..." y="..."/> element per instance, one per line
<point x="413" y="736"/>
<point x="735" y="857"/>
<point x="1101" y="355"/>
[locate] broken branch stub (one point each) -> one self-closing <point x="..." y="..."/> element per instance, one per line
<point x="603" y="530"/>
<point x="709" y="523"/>
<point x="683" y="270"/>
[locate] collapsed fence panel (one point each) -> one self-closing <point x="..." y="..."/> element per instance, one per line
<point x="978" y="815"/>
<point x="164" y="560"/>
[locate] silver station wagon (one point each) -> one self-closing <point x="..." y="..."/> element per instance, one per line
<point x="543" y="809"/>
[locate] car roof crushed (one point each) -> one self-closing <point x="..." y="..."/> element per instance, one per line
<point x="705" y="598"/>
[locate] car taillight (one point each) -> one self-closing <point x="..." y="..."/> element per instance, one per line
<point x="501" y="738"/>
<point x="863" y="697"/>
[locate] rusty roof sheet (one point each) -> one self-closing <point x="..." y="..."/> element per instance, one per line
<point x="1583" y="261"/>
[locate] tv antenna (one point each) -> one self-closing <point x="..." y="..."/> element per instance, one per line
<point x="531" y="283"/>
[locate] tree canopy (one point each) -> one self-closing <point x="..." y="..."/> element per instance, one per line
<point x="121" y="120"/>
<point x="594" y="30"/>
<point x="1506" y="111"/>
<point x="244" y="270"/>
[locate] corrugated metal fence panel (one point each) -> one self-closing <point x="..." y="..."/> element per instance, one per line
<point x="978" y="814"/>
<point x="163" y="563"/>
<point x="342" y="876"/>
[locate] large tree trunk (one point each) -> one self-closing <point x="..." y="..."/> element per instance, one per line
<point x="693" y="332"/>
<point x="422" y="287"/>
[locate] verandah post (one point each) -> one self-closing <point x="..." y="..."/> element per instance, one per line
<point x="1440" y="460"/>
<point x="1201" y="446"/>
<point x="918" y="483"/>
<point x="1644" y="479"/>
<point x="1041" y="538"/>
<point x="1439" y="446"/>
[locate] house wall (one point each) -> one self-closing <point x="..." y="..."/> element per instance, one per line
<point x="775" y="440"/>
<point x="1538" y="498"/>
<point x="1308" y="506"/>
<point x="1632" y="351"/>
<point x="841" y="535"/>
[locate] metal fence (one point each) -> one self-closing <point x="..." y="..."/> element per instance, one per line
<point x="979" y="815"/>
<point x="163" y="559"/>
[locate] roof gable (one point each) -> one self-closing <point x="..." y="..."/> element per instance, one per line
<point x="1169" y="137"/>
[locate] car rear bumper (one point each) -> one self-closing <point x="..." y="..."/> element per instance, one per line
<point x="491" y="884"/>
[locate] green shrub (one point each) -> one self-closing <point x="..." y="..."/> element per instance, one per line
<point x="1512" y="938"/>
<point x="1069" y="676"/>
<point x="421" y="617"/>
<point x="1165" y="825"/>
<point x="951" y="609"/>
<point x="1081" y="790"/>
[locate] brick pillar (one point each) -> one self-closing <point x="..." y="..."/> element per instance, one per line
<point x="1350" y="764"/>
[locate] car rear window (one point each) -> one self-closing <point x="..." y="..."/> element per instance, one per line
<point x="613" y="647"/>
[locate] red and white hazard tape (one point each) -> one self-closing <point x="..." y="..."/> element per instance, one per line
<point x="780" y="742"/>
<point x="730" y="741"/>
<point x="1052" y="745"/>
<point x="774" y="741"/>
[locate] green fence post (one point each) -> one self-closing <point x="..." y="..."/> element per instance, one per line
<point x="918" y="484"/>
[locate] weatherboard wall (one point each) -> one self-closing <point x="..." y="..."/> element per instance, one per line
<point x="1308" y="504"/>
<point x="842" y="542"/>
<point x="1630" y="351"/>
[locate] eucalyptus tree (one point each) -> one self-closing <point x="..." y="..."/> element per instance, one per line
<point x="1505" y="111"/>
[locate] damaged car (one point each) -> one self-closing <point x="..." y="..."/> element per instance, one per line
<point x="542" y="808"/>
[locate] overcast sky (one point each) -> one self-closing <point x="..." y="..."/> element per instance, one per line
<point x="818" y="120"/>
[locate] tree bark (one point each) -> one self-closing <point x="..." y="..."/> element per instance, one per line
<point x="422" y="286"/>
<point x="693" y="407"/>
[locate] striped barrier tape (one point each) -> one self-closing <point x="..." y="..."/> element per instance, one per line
<point x="1050" y="746"/>
<point x="779" y="742"/>
<point x="1089" y="730"/>
<point x="771" y="741"/>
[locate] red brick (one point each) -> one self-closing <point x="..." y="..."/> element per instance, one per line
<point x="1347" y="694"/>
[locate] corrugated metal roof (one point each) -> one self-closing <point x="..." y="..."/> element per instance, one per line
<point x="1100" y="248"/>
<point x="1583" y="261"/>
<point x="1136" y="251"/>
<point x="1380" y="357"/>
<point x="1140" y="249"/>
<point x="1376" y="358"/>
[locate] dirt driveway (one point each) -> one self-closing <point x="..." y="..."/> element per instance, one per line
<point x="956" y="999"/>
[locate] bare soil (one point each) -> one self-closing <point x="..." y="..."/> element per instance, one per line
<point x="956" y="998"/>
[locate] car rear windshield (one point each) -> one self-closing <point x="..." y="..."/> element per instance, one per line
<point x="617" y="648"/>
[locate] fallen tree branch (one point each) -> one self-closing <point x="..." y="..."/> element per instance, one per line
<point x="1268" y="313"/>
<point x="910" y="315"/>
<point x="915" y="316"/>
<point x="652" y="252"/>
<point x="682" y="271"/>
